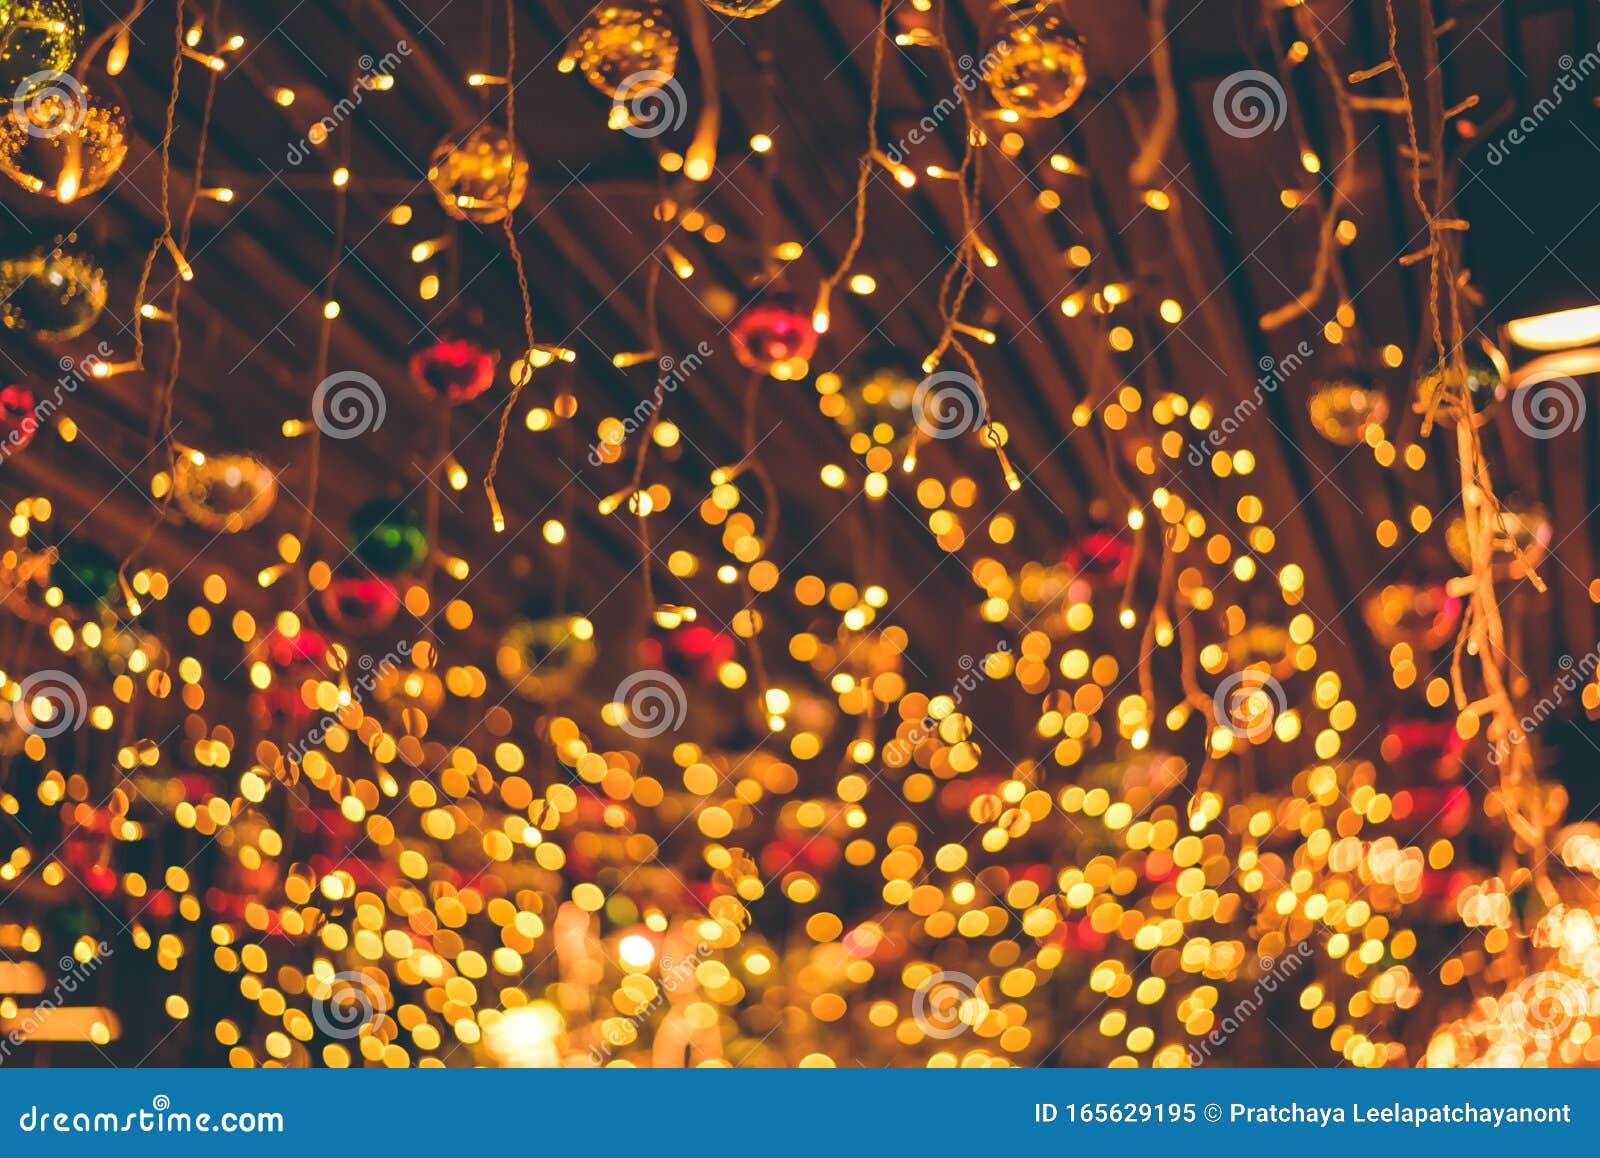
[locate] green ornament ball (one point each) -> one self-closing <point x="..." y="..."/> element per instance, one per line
<point x="85" y="572"/>
<point x="389" y="538"/>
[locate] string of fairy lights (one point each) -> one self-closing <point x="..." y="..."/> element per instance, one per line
<point x="347" y="823"/>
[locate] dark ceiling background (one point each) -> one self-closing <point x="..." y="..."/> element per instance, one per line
<point x="253" y="314"/>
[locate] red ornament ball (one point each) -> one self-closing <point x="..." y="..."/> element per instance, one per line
<point x="452" y="365"/>
<point x="292" y="660"/>
<point x="692" y="651"/>
<point x="18" y="420"/>
<point x="360" y="605"/>
<point x="772" y="333"/>
<point x="1100" y="555"/>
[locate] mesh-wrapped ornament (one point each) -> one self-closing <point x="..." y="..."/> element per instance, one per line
<point x="389" y="538"/>
<point x="546" y="659"/>
<point x="1101" y="556"/>
<point x="774" y="335"/>
<point x="281" y="664"/>
<point x="118" y="647"/>
<point x="359" y="604"/>
<point x="54" y="294"/>
<point x="690" y="651"/>
<point x="1521" y="528"/>
<point x="63" y="141"/>
<point x="878" y="409"/>
<point x="1423" y="616"/>
<point x="1482" y="380"/>
<point x="1343" y="407"/>
<point x="742" y="9"/>
<point x="1035" y="58"/>
<point x="19" y="421"/>
<point x="223" y="492"/>
<point x="85" y="572"/>
<point x="618" y="43"/>
<point x="452" y="362"/>
<point x="481" y="176"/>
<point x="39" y="39"/>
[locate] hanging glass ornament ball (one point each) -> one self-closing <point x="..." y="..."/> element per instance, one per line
<point x="1421" y="615"/>
<point x="39" y="40"/>
<point x="19" y="421"/>
<point x="481" y="176"/>
<point x="1486" y="373"/>
<point x="877" y="409"/>
<point x="85" y="572"/>
<point x="224" y="492"/>
<point x="453" y="364"/>
<point x="742" y="9"/>
<point x="1342" y="408"/>
<point x="54" y="294"/>
<point x="63" y="141"/>
<point x="774" y="335"/>
<point x="1522" y="529"/>
<point x="390" y="539"/>
<point x="545" y="659"/>
<point x="1035" y="58"/>
<point x="359" y="604"/>
<point x="620" y="43"/>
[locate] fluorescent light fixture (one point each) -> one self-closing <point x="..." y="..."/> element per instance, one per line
<point x="1562" y="330"/>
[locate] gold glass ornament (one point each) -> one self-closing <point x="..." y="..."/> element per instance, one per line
<point x="743" y="9"/>
<point x="878" y="409"/>
<point x="544" y="659"/>
<point x="1342" y="408"/>
<point x="55" y="294"/>
<point x="1260" y="645"/>
<point x="63" y="141"/>
<point x="479" y="177"/>
<point x="110" y="648"/>
<point x="1034" y="58"/>
<point x="1423" y="616"/>
<point x="38" y="40"/>
<point x="224" y="492"/>
<point x="410" y="687"/>
<point x="1484" y="384"/>
<point x="1522" y="527"/>
<point x="621" y="42"/>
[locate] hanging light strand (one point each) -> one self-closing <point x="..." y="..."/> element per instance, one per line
<point x="525" y="374"/>
<point x="820" y="316"/>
